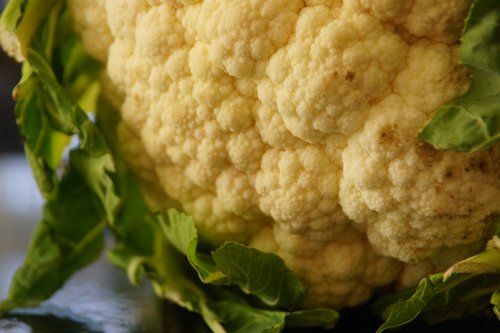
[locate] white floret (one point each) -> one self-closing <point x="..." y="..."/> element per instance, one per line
<point x="291" y="125"/>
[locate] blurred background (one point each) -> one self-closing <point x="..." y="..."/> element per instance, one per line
<point x="9" y="74"/>
<point x="19" y="200"/>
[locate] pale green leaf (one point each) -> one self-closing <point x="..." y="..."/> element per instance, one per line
<point x="262" y="274"/>
<point x="69" y="237"/>
<point x="472" y="122"/>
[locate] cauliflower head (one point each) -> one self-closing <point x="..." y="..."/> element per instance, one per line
<point x="291" y="126"/>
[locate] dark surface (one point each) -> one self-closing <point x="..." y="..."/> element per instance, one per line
<point x="359" y="320"/>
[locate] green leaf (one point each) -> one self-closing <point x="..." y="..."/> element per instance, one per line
<point x="143" y="250"/>
<point x="481" y="40"/>
<point x="79" y="73"/>
<point x="139" y="240"/>
<point x="495" y="300"/>
<point x="181" y="232"/>
<point x="135" y="224"/>
<point x="69" y="237"/>
<point x="66" y="116"/>
<point x="262" y="274"/>
<point x="467" y="295"/>
<point x="45" y="113"/>
<point x="468" y="288"/>
<point x="472" y="121"/>
<point x="442" y="297"/>
<point x="44" y="144"/>
<point x="158" y="246"/>
<point x="325" y="318"/>
<point x="80" y="197"/>
<point x="406" y="310"/>
<point x="19" y="22"/>
<point x="241" y="318"/>
<point x="97" y="172"/>
<point x="13" y="14"/>
<point x="237" y="316"/>
<point x="483" y="263"/>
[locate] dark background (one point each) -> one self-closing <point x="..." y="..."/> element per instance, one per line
<point x="9" y="76"/>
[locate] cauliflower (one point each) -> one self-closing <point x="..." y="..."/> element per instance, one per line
<point x="292" y="126"/>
